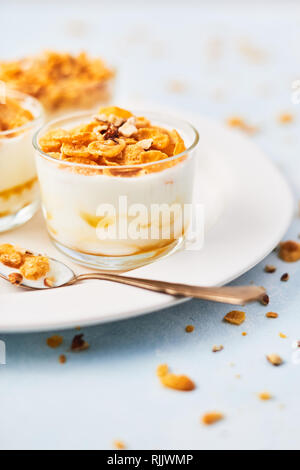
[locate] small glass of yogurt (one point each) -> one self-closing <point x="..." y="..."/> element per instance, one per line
<point x="117" y="186"/>
<point x="20" y="117"/>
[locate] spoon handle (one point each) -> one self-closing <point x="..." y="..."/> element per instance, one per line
<point x="238" y="295"/>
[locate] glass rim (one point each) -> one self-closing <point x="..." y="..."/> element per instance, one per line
<point x="23" y="96"/>
<point x="108" y="167"/>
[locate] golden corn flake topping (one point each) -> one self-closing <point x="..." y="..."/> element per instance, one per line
<point x="12" y="115"/>
<point x="58" y="80"/>
<point x="114" y="138"/>
<point x="31" y="266"/>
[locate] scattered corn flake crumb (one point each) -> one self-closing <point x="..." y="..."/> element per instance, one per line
<point x="244" y="333"/>
<point x="285" y="118"/>
<point x="189" y="328"/>
<point x="54" y="341"/>
<point x="289" y="251"/>
<point x="214" y="49"/>
<point x="285" y="277"/>
<point x="49" y="282"/>
<point x="239" y="123"/>
<point x="212" y="418"/>
<point x="235" y="317"/>
<point x="176" y="382"/>
<point x="217" y="348"/>
<point x="176" y="86"/>
<point x="120" y="445"/>
<point x="62" y="359"/>
<point x="218" y="94"/>
<point x="282" y="335"/>
<point x="15" y="278"/>
<point x="269" y="268"/>
<point x="264" y="396"/>
<point x="162" y="370"/>
<point x="251" y="52"/>
<point x="274" y="359"/>
<point x="272" y="315"/>
<point x="265" y="300"/>
<point x="79" y="344"/>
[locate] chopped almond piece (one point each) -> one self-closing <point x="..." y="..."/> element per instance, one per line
<point x="211" y="418"/>
<point x="269" y="268"/>
<point x="289" y="251"/>
<point x="54" y="341"/>
<point x="78" y="344"/>
<point x="235" y="317"/>
<point x="274" y="359"/>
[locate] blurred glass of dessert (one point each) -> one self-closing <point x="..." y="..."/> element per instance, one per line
<point x="62" y="82"/>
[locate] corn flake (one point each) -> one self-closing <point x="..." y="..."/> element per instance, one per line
<point x="235" y="317"/>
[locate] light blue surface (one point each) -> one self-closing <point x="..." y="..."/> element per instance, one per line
<point x="111" y="391"/>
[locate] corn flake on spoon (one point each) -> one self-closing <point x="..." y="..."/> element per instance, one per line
<point x="40" y="272"/>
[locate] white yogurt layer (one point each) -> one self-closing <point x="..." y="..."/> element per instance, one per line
<point x="18" y="180"/>
<point x="71" y="203"/>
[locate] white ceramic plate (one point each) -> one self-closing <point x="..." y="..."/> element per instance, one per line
<point x="248" y="209"/>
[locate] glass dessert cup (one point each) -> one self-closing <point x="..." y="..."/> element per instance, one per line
<point x="118" y="218"/>
<point x="19" y="193"/>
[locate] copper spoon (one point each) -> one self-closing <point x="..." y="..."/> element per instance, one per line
<point x="61" y="275"/>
